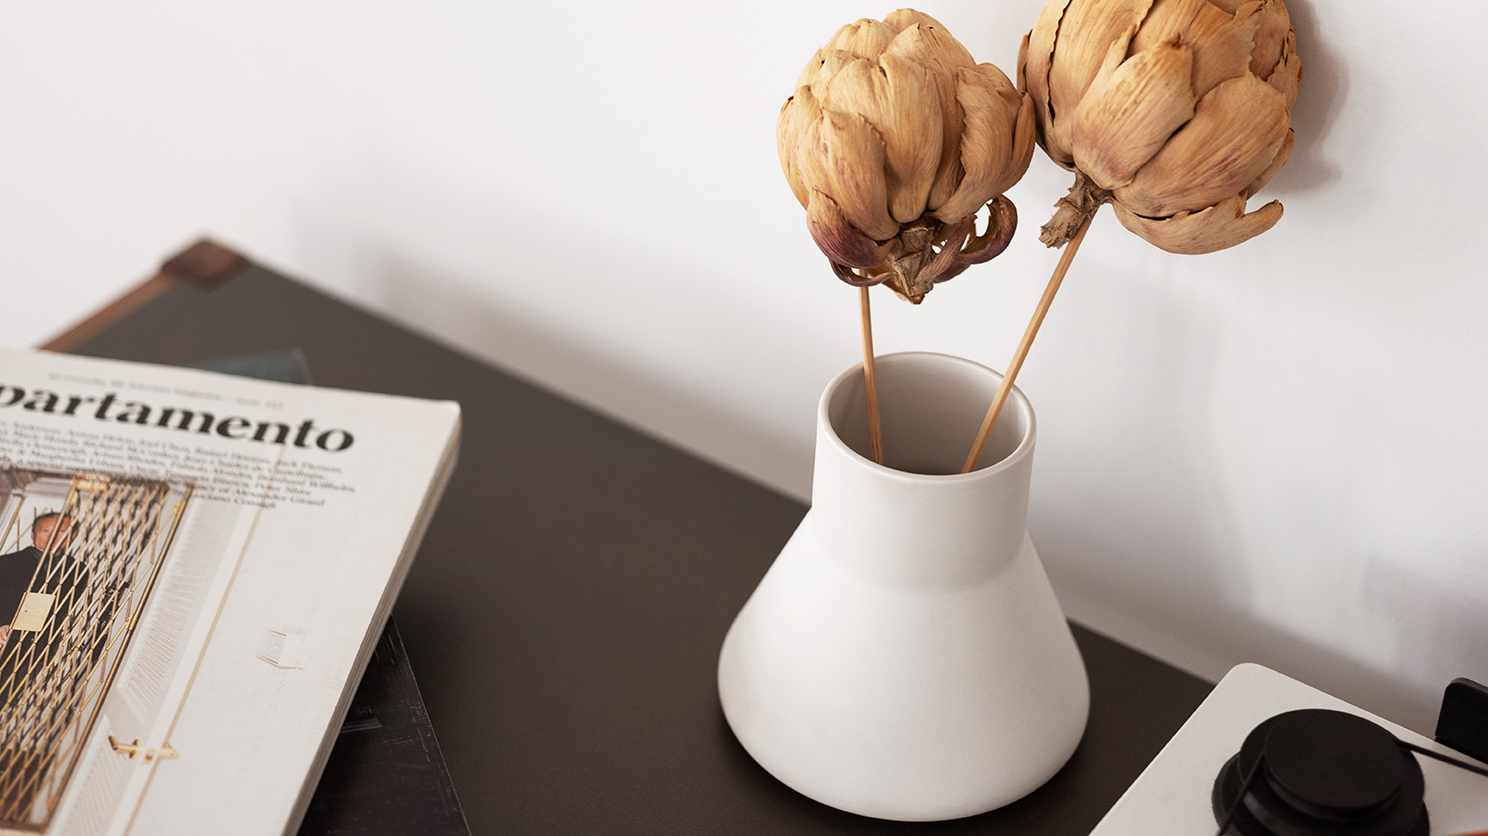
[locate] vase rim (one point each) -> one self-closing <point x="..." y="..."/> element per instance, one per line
<point x="1016" y="402"/>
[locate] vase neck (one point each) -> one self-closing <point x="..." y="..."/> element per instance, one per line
<point x="937" y="526"/>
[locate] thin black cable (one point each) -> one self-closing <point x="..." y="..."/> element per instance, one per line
<point x="1244" y="788"/>
<point x="1443" y="758"/>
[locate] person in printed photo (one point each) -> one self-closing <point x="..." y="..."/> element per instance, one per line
<point x="19" y="567"/>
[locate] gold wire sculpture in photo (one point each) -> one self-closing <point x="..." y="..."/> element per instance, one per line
<point x="97" y="556"/>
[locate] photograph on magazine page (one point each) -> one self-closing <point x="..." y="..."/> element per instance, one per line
<point x="79" y="556"/>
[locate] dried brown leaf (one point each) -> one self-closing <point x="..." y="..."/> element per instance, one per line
<point x="836" y="237"/>
<point x="899" y="99"/>
<point x="1276" y="163"/>
<point x="842" y="157"/>
<point x="1034" y="64"/>
<point x="1221" y="44"/>
<point x="1234" y="135"/>
<point x="1122" y="122"/>
<point x="901" y="19"/>
<point x="931" y="46"/>
<point x="1085" y="35"/>
<point x="798" y="114"/>
<point x="865" y="38"/>
<point x="1271" y="37"/>
<point x="990" y="153"/>
<point x="1166" y="20"/>
<point x="1287" y="76"/>
<point x="1209" y="230"/>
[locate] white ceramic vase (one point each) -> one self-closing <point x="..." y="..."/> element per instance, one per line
<point x="905" y="658"/>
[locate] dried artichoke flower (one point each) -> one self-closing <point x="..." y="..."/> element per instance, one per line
<point x="1173" y="111"/>
<point x="893" y="140"/>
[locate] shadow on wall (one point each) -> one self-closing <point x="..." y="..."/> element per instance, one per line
<point x="449" y="309"/>
<point x="1438" y="630"/>
<point x="1135" y="524"/>
<point x="1434" y="635"/>
<point x="1131" y="511"/>
<point x="1412" y="703"/>
<point x="1325" y="84"/>
<point x="1382" y="692"/>
<point x="1224" y="636"/>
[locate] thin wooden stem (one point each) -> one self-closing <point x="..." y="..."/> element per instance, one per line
<point x="1017" y="362"/>
<point x="875" y="430"/>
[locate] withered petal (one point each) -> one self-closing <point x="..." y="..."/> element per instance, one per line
<point x="865" y="38"/>
<point x="1115" y="57"/>
<point x="1022" y="71"/>
<point x="1023" y="140"/>
<point x="842" y="156"/>
<point x="1085" y="35"/>
<point x="837" y="238"/>
<point x="808" y="73"/>
<point x="987" y="246"/>
<point x="990" y="158"/>
<point x="901" y="19"/>
<point x="933" y="46"/>
<point x="797" y="115"/>
<point x="829" y="63"/>
<point x="851" y="276"/>
<point x="1287" y="75"/>
<point x="1221" y="44"/>
<point x="1276" y="163"/>
<point x="1123" y="121"/>
<point x="949" y="248"/>
<point x="948" y="176"/>
<point x="1194" y="233"/>
<point x="1002" y="222"/>
<point x="1034" y="64"/>
<point x="1271" y="37"/>
<point x="1234" y="135"/>
<point x="900" y="100"/>
<point x="1166" y="20"/>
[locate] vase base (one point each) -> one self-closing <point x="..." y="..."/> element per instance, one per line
<point x="884" y="717"/>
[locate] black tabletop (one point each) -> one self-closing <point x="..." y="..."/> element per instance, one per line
<point x="565" y="611"/>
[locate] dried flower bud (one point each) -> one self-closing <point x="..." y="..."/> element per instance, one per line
<point x="894" y="139"/>
<point x="1173" y="111"/>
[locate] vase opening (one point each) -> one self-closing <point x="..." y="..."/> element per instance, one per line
<point x="930" y="407"/>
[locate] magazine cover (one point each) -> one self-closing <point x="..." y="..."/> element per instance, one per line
<point x="193" y="569"/>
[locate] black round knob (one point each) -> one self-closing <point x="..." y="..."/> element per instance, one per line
<point x="1333" y="765"/>
<point x="1321" y="773"/>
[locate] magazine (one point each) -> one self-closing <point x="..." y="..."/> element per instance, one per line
<point x="194" y="569"/>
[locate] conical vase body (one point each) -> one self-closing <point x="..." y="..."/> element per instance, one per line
<point x="905" y="657"/>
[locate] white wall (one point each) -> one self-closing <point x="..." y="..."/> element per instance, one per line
<point x="1275" y="453"/>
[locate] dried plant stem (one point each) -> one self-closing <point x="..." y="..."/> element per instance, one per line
<point x="875" y="430"/>
<point x="1009" y="376"/>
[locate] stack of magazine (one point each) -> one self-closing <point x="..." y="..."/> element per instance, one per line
<point x="194" y="570"/>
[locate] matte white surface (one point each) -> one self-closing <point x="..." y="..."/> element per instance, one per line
<point x="1172" y="796"/>
<point x="1276" y="452"/>
<point x="905" y="657"/>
